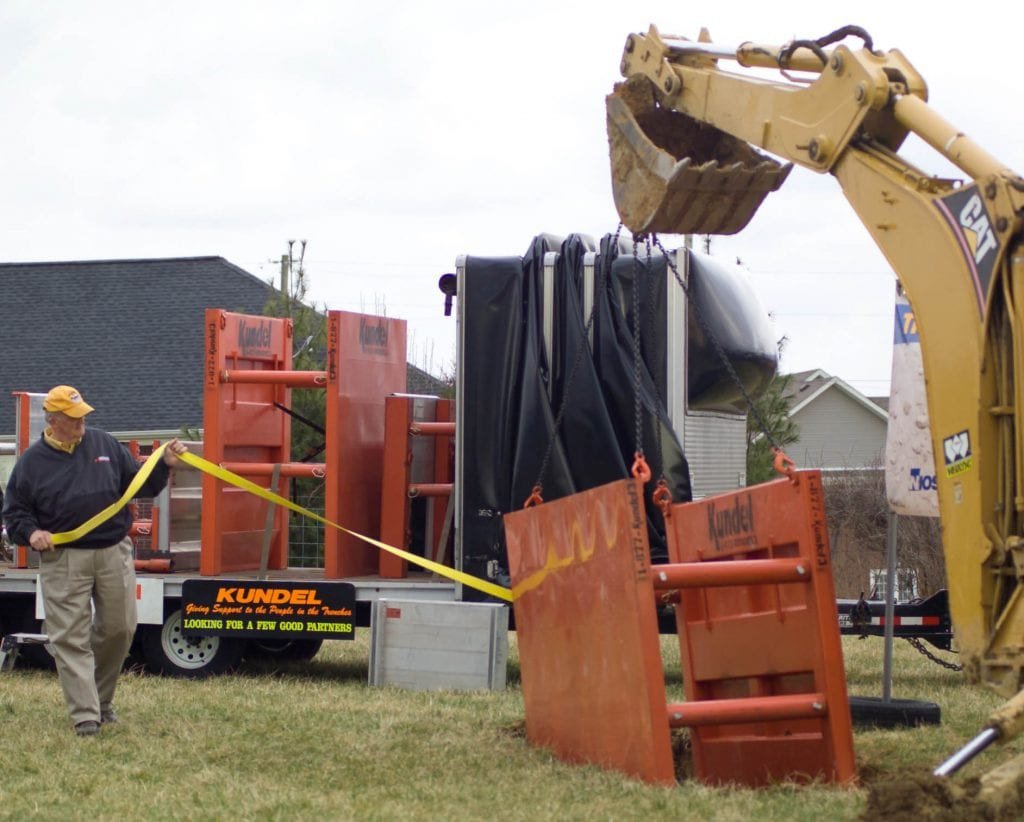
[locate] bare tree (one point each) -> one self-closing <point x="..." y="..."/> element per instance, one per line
<point x="857" y="513"/>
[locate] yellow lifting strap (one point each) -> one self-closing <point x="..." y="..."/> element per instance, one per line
<point x="224" y="475"/>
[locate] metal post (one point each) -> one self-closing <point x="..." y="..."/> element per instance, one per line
<point x="890" y="604"/>
<point x="268" y="528"/>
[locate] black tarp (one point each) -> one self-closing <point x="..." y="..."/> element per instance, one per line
<point x="624" y="380"/>
<point x="723" y="305"/>
<point x="511" y="392"/>
<point x="488" y="393"/>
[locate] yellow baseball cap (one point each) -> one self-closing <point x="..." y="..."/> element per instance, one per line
<point x="67" y="400"/>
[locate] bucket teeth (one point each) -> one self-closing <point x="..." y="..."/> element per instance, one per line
<point x="673" y="175"/>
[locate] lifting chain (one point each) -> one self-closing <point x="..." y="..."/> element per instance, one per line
<point x="722" y="356"/>
<point x="919" y="645"/>
<point x="603" y="271"/>
<point x="782" y="462"/>
<point x="637" y="366"/>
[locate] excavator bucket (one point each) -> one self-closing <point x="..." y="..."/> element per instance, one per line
<point x="674" y="175"/>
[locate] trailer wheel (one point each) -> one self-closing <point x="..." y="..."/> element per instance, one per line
<point x="873" y="712"/>
<point x="169" y="652"/>
<point x="299" y="650"/>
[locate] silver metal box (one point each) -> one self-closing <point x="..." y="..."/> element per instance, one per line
<point x="431" y="646"/>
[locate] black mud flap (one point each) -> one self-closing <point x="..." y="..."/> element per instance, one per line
<point x="874" y="712"/>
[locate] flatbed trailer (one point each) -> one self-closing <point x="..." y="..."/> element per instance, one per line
<point x="203" y="534"/>
<point x="160" y="642"/>
<point x="925" y="619"/>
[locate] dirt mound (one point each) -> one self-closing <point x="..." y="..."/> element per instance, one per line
<point x="921" y="797"/>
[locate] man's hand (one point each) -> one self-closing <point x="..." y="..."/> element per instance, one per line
<point x="41" y="540"/>
<point x="174" y="447"/>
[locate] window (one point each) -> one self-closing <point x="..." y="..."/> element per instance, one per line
<point x="906" y="583"/>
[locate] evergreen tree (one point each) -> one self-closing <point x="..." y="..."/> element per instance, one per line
<point x="773" y="410"/>
<point x="308" y="406"/>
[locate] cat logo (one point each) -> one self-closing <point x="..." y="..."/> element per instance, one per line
<point x="956" y="450"/>
<point x="972" y="225"/>
<point x="977" y="230"/>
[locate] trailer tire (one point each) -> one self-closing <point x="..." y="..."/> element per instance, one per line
<point x="873" y="712"/>
<point x="298" y="650"/>
<point x="169" y="653"/>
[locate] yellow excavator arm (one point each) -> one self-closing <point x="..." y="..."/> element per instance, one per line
<point x="685" y="138"/>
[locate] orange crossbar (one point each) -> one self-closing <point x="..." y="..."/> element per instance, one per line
<point x="754" y="709"/>
<point x="292" y="379"/>
<point x="719" y="574"/>
<point x="266" y="469"/>
<point x="432" y="429"/>
<point x="140" y="527"/>
<point x="430" y="489"/>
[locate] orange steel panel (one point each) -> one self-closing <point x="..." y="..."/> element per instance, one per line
<point x="241" y="424"/>
<point x="394" y="515"/>
<point x="366" y="361"/>
<point x="779" y="652"/>
<point x="24" y="411"/>
<point x="763" y="639"/>
<point x="592" y="676"/>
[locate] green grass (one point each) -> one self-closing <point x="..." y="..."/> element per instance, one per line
<point x="313" y="741"/>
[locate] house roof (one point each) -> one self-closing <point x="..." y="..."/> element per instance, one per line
<point x="807" y="386"/>
<point x="419" y="381"/>
<point x="127" y="333"/>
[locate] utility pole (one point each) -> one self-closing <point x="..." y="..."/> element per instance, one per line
<point x="287" y="267"/>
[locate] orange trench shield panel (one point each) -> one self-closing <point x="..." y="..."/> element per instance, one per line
<point x="758" y="631"/>
<point x="593" y="681"/>
<point x="771" y="647"/>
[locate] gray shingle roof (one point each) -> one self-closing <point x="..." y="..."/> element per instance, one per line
<point x="127" y="333"/>
<point x="804" y="385"/>
<point x="419" y="381"/>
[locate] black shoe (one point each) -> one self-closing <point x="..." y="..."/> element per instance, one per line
<point x="88" y="728"/>
<point x="108" y="716"/>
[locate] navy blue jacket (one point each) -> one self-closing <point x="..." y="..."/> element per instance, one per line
<point x="55" y="491"/>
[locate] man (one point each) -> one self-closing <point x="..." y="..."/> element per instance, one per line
<point x="61" y="481"/>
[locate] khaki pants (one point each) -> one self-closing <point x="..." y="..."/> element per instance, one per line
<point x="89" y="597"/>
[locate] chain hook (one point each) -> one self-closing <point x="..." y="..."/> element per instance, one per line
<point x="535" y="498"/>
<point x="641" y="470"/>
<point x="662" y="497"/>
<point x="783" y="464"/>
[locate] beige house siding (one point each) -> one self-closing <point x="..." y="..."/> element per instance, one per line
<point x="836" y="431"/>
<point x="716" y="450"/>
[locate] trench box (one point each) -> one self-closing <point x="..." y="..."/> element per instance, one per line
<point x="432" y="646"/>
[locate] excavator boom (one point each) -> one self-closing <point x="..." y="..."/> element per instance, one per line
<point x="686" y="138"/>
